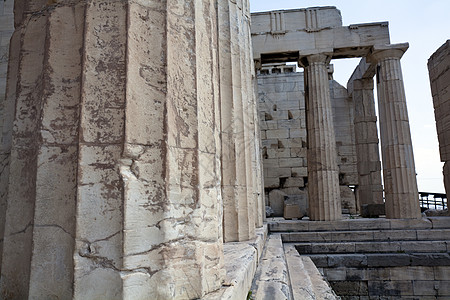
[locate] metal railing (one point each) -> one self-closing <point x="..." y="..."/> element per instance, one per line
<point x="436" y="201"/>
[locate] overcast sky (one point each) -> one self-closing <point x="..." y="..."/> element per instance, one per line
<point x="425" y="25"/>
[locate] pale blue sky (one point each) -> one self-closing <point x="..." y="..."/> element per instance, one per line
<point x="425" y="25"/>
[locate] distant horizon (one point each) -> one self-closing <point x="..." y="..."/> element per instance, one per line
<point x="416" y="25"/>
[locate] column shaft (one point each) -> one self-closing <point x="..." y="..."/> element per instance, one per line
<point x="323" y="173"/>
<point x="171" y="167"/>
<point x="402" y="200"/>
<point x="370" y="189"/>
<point x="238" y="105"/>
<point x="114" y="184"/>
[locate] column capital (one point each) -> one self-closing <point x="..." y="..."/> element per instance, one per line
<point x="381" y="52"/>
<point x="323" y="57"/>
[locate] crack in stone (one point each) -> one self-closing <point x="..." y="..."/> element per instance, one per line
<point x="23" y="230"/>
<point x="54" y="226"/>
<point x="153" y="248"/>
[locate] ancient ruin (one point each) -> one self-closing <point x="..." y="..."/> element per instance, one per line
<point x="144" y="142"/>
<point x="439" y="71"/>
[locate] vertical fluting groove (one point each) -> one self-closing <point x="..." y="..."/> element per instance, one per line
<point x="23" y="167"/>
<point x="56" y="180"/>
<point x="398" y="161"/>
<point x="323" y="185"/>
<point x="98" y="253"/>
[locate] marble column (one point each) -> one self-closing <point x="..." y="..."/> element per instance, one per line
<point x="238" y="105"/>
<point x="114" y="185"/>
<point x="399" y="174"/>
<point x="323" y="173"/>
<point x="370" y="189"/>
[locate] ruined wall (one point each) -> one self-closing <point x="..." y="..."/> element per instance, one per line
<point x="113" y="119"/>
<point x="284" y="138"/>
<point x="343" y="115"/>
<point x="439" y="71"/>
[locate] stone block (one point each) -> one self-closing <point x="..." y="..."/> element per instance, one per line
<point x="442" y="273"/>
<point x="412" y="273"/>
<point x="300" y="200"/>
<point x="390" y="288"/>
<point x="372" y="210"/>
<point x="364" y="247"/>
<point x="410" y="223"/>
<point x="321" y="261"/>
<point x="356" y="274"/>
<point x="333" y="248"/>
<point x="347" y="260"/>
<point x="298" y="152"/>
<point x="279" y="172"/>
<point x="277" y="133"/>
<point x="297" y="133"/>
<point x="387" y="235"/>
<point x="425" y="288"/>
<point x="444" y="289"/>
<point x="271" y="182"/>
<point x="441" y="234"/>
<point x="276" y="202"/>
<point x="292" y="211"/>
<point x="378" y="274"/>
<point x="335" y="274"/>
<point x="388" y="260"/>
<point x="423" y="246"/>
<point x="294" y="182"/>
<point x="299" y="172"/>
<point x="352" y="236"/>
<point x="290" y="162"/>
<point x="350" y="288"/>
<point x="430" y="259"/>
<point x="348" y="199"/>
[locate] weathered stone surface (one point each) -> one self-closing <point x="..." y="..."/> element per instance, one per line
<point x="116" y="154"/>
<point x="272" y="279"/>
<point x="438" y="68"/>
<point x="399" y="173"/>
<point x="299" y="30"/>
<point x="372" y="210"/>
<point x="323" y="178"/>
<point x="306" y="281"/>
<point x="241" y="183"/>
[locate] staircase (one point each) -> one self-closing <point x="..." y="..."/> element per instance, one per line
<point x="376" y="258"/>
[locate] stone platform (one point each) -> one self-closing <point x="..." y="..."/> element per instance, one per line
<point x="375" y="258"/>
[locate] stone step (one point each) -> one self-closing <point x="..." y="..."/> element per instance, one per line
<point x="374" y="247"/>
<point x="380" y="260"/>
<point x="367" y="235"/>
<point x="282" y="225"/>
<point x="306" y="281"/>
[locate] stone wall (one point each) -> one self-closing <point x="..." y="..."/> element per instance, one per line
<point x="403" y="282"/>
<point x="281" y="96"/>
<point x="439" y="71"/>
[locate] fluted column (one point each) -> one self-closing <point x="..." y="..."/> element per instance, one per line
<point x="114" y="184"/>
<point x="238" y="105"/>
<point x="171" y="163"/>
<point x="400" y="185"/>
<point x="323" y="172"/>
<point x="370" y="189"/>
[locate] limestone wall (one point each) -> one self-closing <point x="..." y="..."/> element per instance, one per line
<point x="284" y="138"/>
<point x="439" y="71"/>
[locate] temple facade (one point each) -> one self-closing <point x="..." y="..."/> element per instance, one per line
<point x="144" y="142"/>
